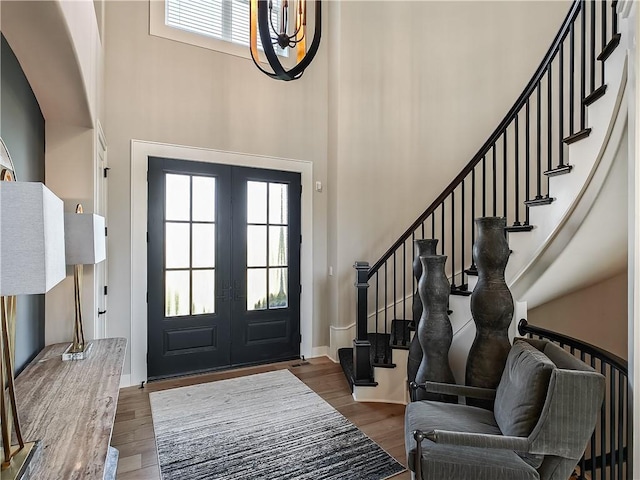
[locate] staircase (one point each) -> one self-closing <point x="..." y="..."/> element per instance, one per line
<point x="542" y="168"/>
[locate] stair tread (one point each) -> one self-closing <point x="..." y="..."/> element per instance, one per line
<point x="519" y="228"/>
<point x="536" y="202"/>
<point x="609" y="47"/>
<point x="559" y="170"/>
<point x="595" y="95"/>
<point x="584" y="133"/>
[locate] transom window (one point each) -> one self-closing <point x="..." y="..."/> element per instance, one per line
<point x="221" y="25"/>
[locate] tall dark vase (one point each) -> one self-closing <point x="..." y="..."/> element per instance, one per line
<point x="491" y="307"/>
<point x="422" y="247"/>
<point x="434" y="329"/>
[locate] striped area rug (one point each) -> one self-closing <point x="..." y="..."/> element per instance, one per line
<point x="267" y="426"/>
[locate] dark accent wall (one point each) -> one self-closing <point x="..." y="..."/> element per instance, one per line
<point x="22" y="129"/>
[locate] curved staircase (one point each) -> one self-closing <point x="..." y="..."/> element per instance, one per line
<point x="543" y="168"/>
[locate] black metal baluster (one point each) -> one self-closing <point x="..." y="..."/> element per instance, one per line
<point x="612" y="422"/>
<point x="386" y="302"/>
<point x="473" y="213"/>
<point x="603" y="426"/>
<point x="484" y="185"/>
<point x="517" y="171"/>
<point x="495" y="200"/>
<point x="561" y="107"/>
<point x="593" y="447"/>
<point x="375" y="357"/>
<point x="395" y="303"/>
<point x="433" y="225"/>
<point x="549" y="123"/>
<point x="592" y="60"/>
<point x="614" y="17"/>
<point x="404" y="288"/>
<point x="453" y="241"/>
<point x="442" y="239"/>
<point x="539" y="144"/>
<point x="583" y="65"/>
<point x="462" y="239"/>
<point x="603" y="36"/>
<point x="527" y="158"/>
<point x="572" y="93"/>
<point x="621" y="401"/>
<point x="504" y="175"/>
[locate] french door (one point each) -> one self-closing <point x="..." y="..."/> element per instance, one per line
<point x="223" y="266"/>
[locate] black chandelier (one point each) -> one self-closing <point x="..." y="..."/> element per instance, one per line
<point x="261" y="23"/>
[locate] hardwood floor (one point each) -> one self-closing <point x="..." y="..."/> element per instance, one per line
<point x="133" y="429"/>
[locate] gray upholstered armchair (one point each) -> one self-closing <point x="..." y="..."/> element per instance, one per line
<point x="545" y="410"/>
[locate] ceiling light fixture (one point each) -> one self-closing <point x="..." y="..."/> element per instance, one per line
<point x="291" y="17"/>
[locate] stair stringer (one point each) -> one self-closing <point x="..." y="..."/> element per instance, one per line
<point x="575" y="193"/>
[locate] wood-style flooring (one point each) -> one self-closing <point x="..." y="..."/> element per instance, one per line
<point x="133" y="429"/>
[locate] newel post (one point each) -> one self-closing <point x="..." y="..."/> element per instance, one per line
<point x="361" y="345"/>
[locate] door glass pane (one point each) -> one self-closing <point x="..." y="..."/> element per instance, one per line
<point x="256" y="202"/>
<point x="177" y="245"/>
<point x="278" y="203"/>
<point x="278" y="297"/>
<point x="278" y="246"/>
<point x="204" y="199"/>
<point x="177" y="197"/>
<point x="204" y="244"/>
<point x="204" y="292"/>
<point x="256" y="246"/>
<point x="256" y="289"/>
<point x="176" y="299"/>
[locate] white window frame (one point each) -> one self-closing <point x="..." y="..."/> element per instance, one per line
<point x="158" y="28"/>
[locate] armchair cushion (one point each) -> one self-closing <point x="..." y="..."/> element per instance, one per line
<point x="521" y="393"/>
<point x="455" y="462"/>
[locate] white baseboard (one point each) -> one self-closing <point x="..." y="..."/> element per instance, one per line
<point x="125" y="381"/>
<point x="322" y="351"/>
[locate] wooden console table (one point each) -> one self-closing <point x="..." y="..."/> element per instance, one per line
<point x="70" y="407"/>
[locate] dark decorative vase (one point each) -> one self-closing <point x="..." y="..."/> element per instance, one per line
<point x="422" y="247"/>
<point x="434" y="329"/>
<point x="491" y="307"/>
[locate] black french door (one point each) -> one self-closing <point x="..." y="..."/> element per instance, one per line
<point x="223" y="266"/>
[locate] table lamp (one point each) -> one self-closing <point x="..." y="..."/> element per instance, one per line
<point x="31" y="262"/>
<point x="84" y="245"/>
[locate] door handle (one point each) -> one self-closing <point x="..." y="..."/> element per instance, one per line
<point x="223" y="295"/>
<point x="237" y="291"/>
<point x="101" y="312"/>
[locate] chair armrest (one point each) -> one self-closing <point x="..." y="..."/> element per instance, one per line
<point x="480" y="440"/>
<point x="453" y="389"/>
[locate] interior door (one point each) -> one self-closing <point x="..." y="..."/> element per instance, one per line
<point x="223" y="266"/>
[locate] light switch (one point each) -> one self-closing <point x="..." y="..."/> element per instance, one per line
<point x="318" y="186"/>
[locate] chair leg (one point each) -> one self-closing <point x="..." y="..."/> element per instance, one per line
<point x="417" y="467"/>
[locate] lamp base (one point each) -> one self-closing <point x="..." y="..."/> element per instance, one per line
<point x="69" y="355"/>
<point x="22" y="463"/>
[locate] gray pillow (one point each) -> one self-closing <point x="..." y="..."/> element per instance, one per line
<point x="522" y="390"/>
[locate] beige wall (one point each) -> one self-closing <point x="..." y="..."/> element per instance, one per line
<point x="596" y="314"/>
<point x="413" y="90"/>
<point x="419" y="87"/>
<point x="170" y="92"/>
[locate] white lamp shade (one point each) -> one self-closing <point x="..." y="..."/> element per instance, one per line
<point x="84" y="238"/>
<point x="31" y="239"/>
